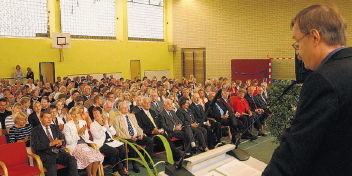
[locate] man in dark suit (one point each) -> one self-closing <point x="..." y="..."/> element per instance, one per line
<point x="33" y="118"/>
<point x="223" y="113"/>
<point x="138" y="107"/>
<point x="255" y="108"/>
<point x="156" y="105"/>
<point x="262" y="103"/>
<point x="175" y="128"/>
<point x="46" y="142"/>
<point x="151" y="125"/>
<point x="317" y="141"/>
<point x="213" y="128"/>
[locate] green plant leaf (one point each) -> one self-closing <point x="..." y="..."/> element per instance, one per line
<point x="169" y="155"/>
<point x="142" y="161"/>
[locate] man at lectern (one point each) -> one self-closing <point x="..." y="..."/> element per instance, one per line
<point x="318" y="140"/>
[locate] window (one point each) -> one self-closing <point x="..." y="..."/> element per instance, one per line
<point x="146" y="19"/>
<point x="95" y="18"/>
<point x="25" y="18"/>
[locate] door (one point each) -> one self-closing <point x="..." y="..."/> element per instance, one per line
<point x="135" y="69"/>
<point x="47" y="72"/>
<point x="193" y="63"/>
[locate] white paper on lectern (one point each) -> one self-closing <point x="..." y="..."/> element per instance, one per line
<point x="213" y="173"/>
<point x="239" y="168"/>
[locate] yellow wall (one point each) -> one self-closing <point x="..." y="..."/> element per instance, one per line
<point x="84" y="56"/>
<point x="231" y="29"/>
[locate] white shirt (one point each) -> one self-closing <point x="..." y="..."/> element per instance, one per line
<point x="44" y="128"/>
<point x="134" y="129"/>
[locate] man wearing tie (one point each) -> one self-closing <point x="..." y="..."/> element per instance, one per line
<point x="151" y="125"/>
<point x="156" y="105"/>
<point x="46" y="142"/>
<point x="258" y="112"/>
<point x="128" y="128"/>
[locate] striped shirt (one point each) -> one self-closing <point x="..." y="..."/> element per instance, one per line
<point x="16" y="134"/>
<point x="9" y="122"/>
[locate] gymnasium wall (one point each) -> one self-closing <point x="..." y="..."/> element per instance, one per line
<point x="241" y="29"/>
<point x="85" y="55"/>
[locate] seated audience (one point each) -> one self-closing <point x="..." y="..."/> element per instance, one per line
<point x="175" y="128"/>
<point x="47" y="142"/>
<point x="152" y="125"/>
<point x="77" y="140"/>
<point x="102" y="132"/>
<point x="128" y="128"/>
<point x="213" y="128"/>
<point x="188" y="119"/>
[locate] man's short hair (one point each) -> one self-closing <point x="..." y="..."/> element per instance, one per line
<point x="45" y="112"/>
<point x="326" y="20"/>
<point x="3" y="100"/>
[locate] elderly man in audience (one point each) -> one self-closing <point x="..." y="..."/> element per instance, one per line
<point x="213" y="128"/>
<point x="128" y="128"/>
<point x="156" y="104"/>
<point x="107" y="111"/>
<point x="152" y="125"/>
<point x="47" y="142"/>
<point x="262" y="103"/>
<point x="175" y="128"/>
<point x="102" y="132"/>
<point x="138" y="107"/>
<point x="188" y="119"/>
<point x="258" y="112"/>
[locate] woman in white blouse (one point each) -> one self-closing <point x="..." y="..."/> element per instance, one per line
<point x="103" y="132"/>
<point x="77" y="140"/>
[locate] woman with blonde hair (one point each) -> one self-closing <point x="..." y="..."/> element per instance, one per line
<point x="77" y="140"/>
<point x="21" y="131"/>
<point x="9" y="120"/>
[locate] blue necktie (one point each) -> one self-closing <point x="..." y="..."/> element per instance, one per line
<point x="129" y="126"/>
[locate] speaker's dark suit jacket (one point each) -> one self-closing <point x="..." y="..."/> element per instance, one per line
<point x="318" y="143"/>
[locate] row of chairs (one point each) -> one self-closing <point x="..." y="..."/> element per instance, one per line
<point x="14" y="160"/>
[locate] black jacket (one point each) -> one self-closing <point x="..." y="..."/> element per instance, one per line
<point x="40" y="143"/>
<point x="186" y="117"/>
<point x="145" y="123"/>
<point x="33" y="119"/>
<point x="198" y="112"/>
<point x="318" y="141"/>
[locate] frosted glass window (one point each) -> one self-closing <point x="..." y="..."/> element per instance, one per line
<point x="145" y="19"/>
<point x="88" y="17"/>
<point x="23" y="18"/>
